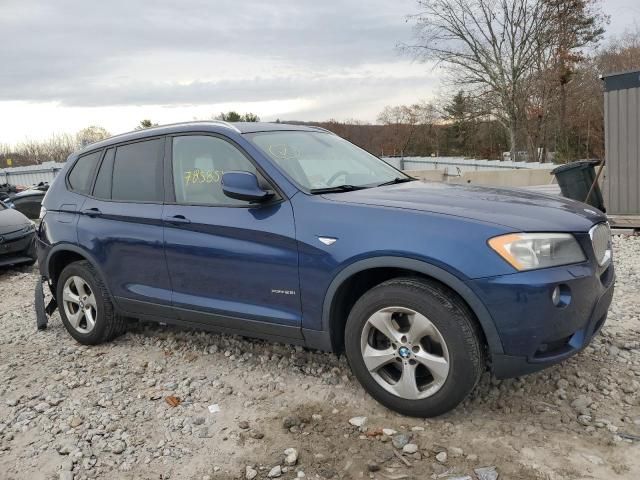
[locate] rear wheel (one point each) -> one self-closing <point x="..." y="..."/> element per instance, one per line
<point x="414" y="346"/>
<point x="85" y="305"/>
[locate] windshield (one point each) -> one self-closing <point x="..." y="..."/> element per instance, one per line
<point x="318" y="161"/>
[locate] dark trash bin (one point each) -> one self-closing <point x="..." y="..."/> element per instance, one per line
<point x="575" y="180"/>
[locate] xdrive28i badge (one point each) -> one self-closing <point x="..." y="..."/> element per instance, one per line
<point x="278" y="291"/>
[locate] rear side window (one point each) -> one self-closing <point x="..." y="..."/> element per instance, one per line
<point x="81" y="175"/>
<point x="137" y="172"/>
<point x="102" y="188"/>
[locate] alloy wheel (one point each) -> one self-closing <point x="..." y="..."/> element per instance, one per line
<point x="405" y="353"/>
<point x="79" y="304"/>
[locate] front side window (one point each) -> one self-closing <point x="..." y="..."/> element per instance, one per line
<point x="81" y="175"/>
<point x="199" y="162"/>
<point x="317" y="160"/>
<point x="137" y="172"/>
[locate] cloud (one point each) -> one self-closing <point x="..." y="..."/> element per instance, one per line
<point x="213" y="92"/>
<point x="82" y="53"/>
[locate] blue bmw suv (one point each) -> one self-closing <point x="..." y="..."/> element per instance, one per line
<point x="293" y="234"/>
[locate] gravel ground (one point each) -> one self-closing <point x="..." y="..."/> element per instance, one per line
<point x="251" y="409"/>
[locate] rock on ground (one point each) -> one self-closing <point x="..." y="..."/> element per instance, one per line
<point x="70" y="411"/>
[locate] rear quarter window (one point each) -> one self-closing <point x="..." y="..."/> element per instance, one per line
<point x="102" y="188"/>
<point x="81" y="176"/>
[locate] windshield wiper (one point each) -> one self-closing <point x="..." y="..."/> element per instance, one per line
<point x="397" y="180"/>
<point x="337" y="188"/>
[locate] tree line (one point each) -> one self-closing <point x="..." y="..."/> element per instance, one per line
<point x="58" y="147"/>
<point x="55" y="148"/>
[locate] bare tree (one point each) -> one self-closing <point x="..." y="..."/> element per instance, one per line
<point x="55" y="148"/>
<point x="622" y="53"/>
<point x="574" y="25"/>
<point x="91" y="134"/>
<point x="489" y="45"/>
<point x="404" y="121"/>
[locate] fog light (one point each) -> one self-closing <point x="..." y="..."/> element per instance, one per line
<point x="555" y="296"/>
<point x="561" y="296"/>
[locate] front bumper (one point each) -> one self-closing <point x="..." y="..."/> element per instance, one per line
<point x="534" y="332"/>
<point x="16" y="249"/>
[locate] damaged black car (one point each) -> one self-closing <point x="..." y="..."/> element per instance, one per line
<point x="17" y="235"/>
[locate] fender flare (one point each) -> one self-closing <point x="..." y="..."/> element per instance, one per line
<point x="428" y="269"/>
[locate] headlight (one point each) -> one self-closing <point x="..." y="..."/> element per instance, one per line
<point x="528" y="251"/>
<point x="29" y="228"/>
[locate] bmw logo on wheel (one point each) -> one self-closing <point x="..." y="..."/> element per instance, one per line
<point x="404" y="352"/>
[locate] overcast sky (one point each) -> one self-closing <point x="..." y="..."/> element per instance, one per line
<point x="66" y="64"/>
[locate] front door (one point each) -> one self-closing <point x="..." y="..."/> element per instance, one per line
<point x="231" y="264"/>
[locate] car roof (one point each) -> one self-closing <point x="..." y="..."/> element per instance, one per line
<point x="214" y="126"/>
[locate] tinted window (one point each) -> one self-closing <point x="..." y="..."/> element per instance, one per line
<point x="81" y="175"/>
<point x="137" y="172"/>
<point x="102" y="188"/>
<point x="198" y="165"/>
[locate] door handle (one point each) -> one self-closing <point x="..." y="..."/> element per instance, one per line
<point x="177" y="219"/>
<point x="92" y="212"/>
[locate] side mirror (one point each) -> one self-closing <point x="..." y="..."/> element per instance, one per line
<point x="244" y="186"/>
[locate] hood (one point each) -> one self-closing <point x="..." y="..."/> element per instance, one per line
<point x="517" y="209"/>
<point x="12" y="220"/>
<point x="27" y="193"/>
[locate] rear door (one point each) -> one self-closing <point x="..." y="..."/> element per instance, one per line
<point x="121" y="225"/>
<point x="232" y="264"/>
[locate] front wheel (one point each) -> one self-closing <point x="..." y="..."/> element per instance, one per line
<point x="414" y="346"/>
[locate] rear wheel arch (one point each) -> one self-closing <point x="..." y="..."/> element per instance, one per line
<point x="359" y="277"/>
<point x="65" y="254"/>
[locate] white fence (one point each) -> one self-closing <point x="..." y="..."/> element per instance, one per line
<point x="30" y="175"/>
<point x="46" y="172"/>
<point x="460" y="164"/>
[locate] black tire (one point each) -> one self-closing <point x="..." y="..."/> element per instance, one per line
<point x="108" y="324"/>
<point x="451" y="317"/>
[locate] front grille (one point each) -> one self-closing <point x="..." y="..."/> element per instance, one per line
<point x="601" y="242"/>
